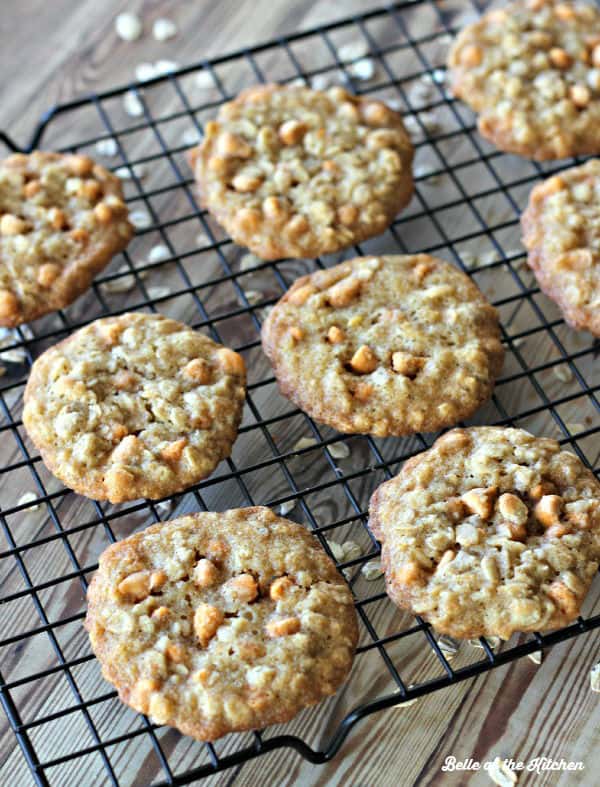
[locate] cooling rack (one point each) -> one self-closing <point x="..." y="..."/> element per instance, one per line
<point x="468" y="198"/>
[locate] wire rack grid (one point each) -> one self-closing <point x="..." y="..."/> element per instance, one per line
<point x="466" y="208"/>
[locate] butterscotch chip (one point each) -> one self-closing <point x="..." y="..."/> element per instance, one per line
<point x="531" y="74"/>
<point x="561" y="230"/>
<point x="51" y="243"/>
<point x="520" y="563"/>
<point x="268" y="632"/>
<point x="113" y="434"/>
<point x="293" y="172"/>
<point x="374" y="354"/>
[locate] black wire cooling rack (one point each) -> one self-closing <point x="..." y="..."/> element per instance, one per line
<point x="466" y="208"/>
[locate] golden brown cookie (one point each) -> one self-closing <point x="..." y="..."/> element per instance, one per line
<point x="385" y="345"/>
<point x="531" y="71"/>
<point x="62" y="219"/>
<point x="134" y="406"/>
<point x="293" y="172"/>
<point x="489" y="532"/>
<point x="215" y="623"/>
<point x="561" y="230"/>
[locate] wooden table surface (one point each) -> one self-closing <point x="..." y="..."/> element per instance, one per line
<point x="52" y="51"/>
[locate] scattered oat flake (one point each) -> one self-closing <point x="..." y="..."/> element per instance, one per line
<point x="28" y="497"/>
<point x="286" y="507"/>
<point x="337" y="550"/>
<point x="253" y="296"/>
<point x="128" y="26"/>
<point x="298" y="82"/>
<point x="595" y="678"/>
<point x="191" y="136"/>
<point x="353" y="50"/>
<point x="564" y="374"/>
<point x="158" y="292"/>
<point x="165" y="67"/>
<point x="128" y="173"/>
<point x="145" y="71"/>
<point x="501" y="774"/>
<point x="158" y="253"/>
<point x="575" y="428"/>
<point x="519" y="342"/>
<point x="140" y="219"/>
<point x="249" y="261"/>
<point x="132" y="104"/>
<point x="339" y="450"/>
<point x="205" y="80"/>
<point x="107" y="147"/>
<point x="395" y="104"/>
<point x="372" y="570"/>
<point x="322" y="81"/>
<point x="352" y="550"/>
<point x="536" y="656"/>
<point x="419" y="92"/>
<point x="468" y="259"/>
<point x="406" y="703"/>
<point x="163" y="507"/>
<point x="448" y="646"/>
<point x="430" y="122"/>
<point x="122" y="284"/>
<point x="304" y="442"/>
<point x="364" y="69"/>
<point x="163" y="29"/>
<point x="489" y="257"/>
<point x="18" y="355"/>
<point x="493" y="643"/>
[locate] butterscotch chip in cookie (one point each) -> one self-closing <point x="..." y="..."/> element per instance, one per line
<point x="62" y="219"/>
<point x="531" y="71"/>
<point x="221" y="622"/>
<point x="490" y="532"/>
<point x="293" y="172"/>
<point x="385" y="345"/>
<point x="134" y="406"/>
<point x="561" y="230"/>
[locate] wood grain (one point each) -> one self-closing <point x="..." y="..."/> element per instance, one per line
<point x="521" y="710"/>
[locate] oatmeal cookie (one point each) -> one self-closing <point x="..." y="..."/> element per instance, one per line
<point x="62" y="219"/>
<point x="561" y="231"/>
<point x="134" y="406"/>
<point x="215" y="623"/>
<point x="489" y="532"/>
<point x="385" y="345"/>
<point x="532" y="72"/>
<point x="293" y="172"/>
